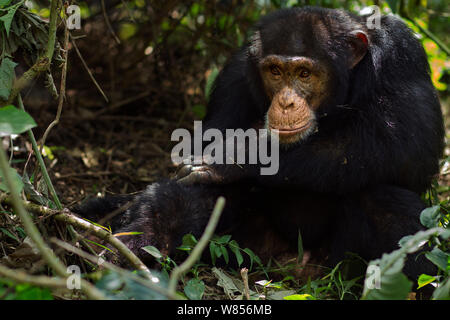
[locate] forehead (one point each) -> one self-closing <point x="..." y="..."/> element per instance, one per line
<point x="295" y="35"/>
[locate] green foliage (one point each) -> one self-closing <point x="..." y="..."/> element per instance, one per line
<point x="6" y="77"/>
<point x="22" y="29"/>
<point x="14" y="121"/>
<point x="299" y="297"/>
<point x="116" y="286"/>
<point x="219" y="246"/>
<point x="166" y="262"/>
<point x="10" y="291"/>
<point x="194" y="289"/>
<point x="393" y="283"/>
<point x="8" y="15"/>
<point x="17" y="181"/>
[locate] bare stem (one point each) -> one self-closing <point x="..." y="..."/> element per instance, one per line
<point x="41" y="161"/>
<point x="42" y="63"/>
<point x="69" y="218"/>
<point x="201" y="245"/>
<point x="33" y="232"/>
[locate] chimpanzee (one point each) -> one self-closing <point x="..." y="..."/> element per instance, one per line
<point x="360" y="131"/>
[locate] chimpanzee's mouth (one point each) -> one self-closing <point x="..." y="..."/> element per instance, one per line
<point x="291" y="131"/>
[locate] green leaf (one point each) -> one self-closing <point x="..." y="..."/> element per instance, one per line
<point x="212" y="250"/>
<point x="299" y="297"/>
<point x="223" y="239"/>
<point x="430" y="216"/>
<point x="424" y="280"/>
<point x="394" y="285"/>
<point x="234" y="247"/>
<point x="9" y="234"/>
<point x="225" y="254"/>
<point x="153" y="251"/>
<point x="188" y="242"/>
<point x="443" y="291"/>
<point x="14" y="121"/>
<point x="439" y="258"/>
<point x="217" y="250"/>
<point x="210" y="81"/>
<point x="6" y="77"/>
<point x="8" y="17"/>
<point x="194" y="289"/>
<point x="4" y="3"/>
<point x="26" y="291"/>
<point x="253" y="257"/>
<point x="16" y="181"/>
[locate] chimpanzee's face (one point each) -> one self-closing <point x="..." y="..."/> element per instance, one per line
<point x="296" y="86"/>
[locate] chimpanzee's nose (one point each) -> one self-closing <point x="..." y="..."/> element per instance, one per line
<point x="287" y="98"/>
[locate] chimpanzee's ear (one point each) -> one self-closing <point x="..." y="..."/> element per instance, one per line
<point x="255" y="45"/>
<point x="359" y="42"/>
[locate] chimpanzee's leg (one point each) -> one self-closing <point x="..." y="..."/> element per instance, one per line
<point x="374" y="221"/>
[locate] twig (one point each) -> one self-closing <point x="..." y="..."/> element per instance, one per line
<point x="33" y="232"/>
<point x="104" y="235"/>
<point x="42" y="63"/>
<point x="94" y="259"/>
<point x="197" y="251"/>
<point x="244" y="275"/>
<point x="67" y="217"/>
<point x="41" y="161"/>
<point x="124" y="102"/>
<point x="62" y="90"/>
<point x="40" y="281"/>
<point x="429" y="34"/>
<point x="87" y="69"/>
<point x="108" y="24"/>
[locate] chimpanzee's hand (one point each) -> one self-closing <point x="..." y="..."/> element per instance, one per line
<point x="204" y="173"/>
<point x="190" y="173"/>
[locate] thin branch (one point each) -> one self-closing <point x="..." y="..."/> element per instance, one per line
<point x="42" y="63"/>
<point x="69" y="218"/>
<point x="108" y="24"/>
<point x="201" y="245"/>
<point x="98" y="261"/>
<point x="429" y="34"/>
<point x="62" y="89"/>
<point x="88" y="70"/>
<point x="33" y="232"/>
<point x="38" y="155"/>
<point x="40" y="281"/>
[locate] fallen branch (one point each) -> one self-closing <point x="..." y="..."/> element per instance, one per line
<point x="69" y="218"/>
<point x="33" y="232"/>
<point x="39" y="281"/>
<point x="94" y="259"/>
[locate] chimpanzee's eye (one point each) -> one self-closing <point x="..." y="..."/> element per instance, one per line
<point x="275" y="70"/>
<point x="304" y="73"/>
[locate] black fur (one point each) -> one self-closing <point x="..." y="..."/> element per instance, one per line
<point x="354" y="184"/>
